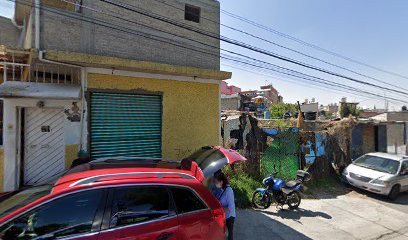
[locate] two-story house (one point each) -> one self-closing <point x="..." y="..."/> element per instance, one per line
<point x="137" y="79"/>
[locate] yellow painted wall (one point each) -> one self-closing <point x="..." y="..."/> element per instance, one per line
<point x="71" y="153"/>
<point x="190" y="110"/>
<point x="1" y="168"/>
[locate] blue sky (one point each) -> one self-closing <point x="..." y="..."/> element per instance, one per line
<point x="371" y="31"/>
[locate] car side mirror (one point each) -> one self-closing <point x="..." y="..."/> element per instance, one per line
<point x="404" y="171"/>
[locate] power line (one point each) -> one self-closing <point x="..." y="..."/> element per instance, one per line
<point x="309" y="44"/>
<point x="95" y="21"/>
<point x="145" y="25"/>
<point x="264" y="74"/>
<point x="316" y="79"/>
<point x="316" y="85"/>
<point x="168" y="32"/>
<point x="288" y="48"/>
<point x="298" y="73"/>
<point x="298" y="41"/>
<point x="223" y="49"/>
<point x="243" y="45"/>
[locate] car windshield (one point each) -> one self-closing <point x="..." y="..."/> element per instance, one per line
<point x="209" y="160"/>
<point x="12" y="202"/>
<point x="378" y="163"/>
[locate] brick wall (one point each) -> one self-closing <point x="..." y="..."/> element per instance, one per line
<point x="8" y="33"/>
<point x="66" y="34"/>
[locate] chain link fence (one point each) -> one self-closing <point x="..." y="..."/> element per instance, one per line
<point x="282" y="154"/>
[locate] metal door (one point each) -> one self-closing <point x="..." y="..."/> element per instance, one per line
<point x="44" y="147"/>
<point x="125" y="125"/>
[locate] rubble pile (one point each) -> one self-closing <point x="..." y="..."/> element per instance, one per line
<point x="339" y="143"/>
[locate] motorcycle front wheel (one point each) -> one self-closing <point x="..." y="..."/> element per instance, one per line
<point x="260" y="200"/>
<point x="293" y="200"/>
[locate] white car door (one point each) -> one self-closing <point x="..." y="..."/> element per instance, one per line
<point x="404" y="178"/>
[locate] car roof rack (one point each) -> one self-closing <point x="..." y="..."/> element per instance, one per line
<point x="94" y="179"/>
<point x="121" y="159"/>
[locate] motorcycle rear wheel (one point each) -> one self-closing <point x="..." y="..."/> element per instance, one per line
<point x="293" y="200"/>
<point x="260" y="200"/>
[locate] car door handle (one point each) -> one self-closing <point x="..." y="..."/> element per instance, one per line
<point x="164" y="236"/>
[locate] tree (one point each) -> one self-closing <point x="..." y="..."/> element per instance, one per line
<point x="347" y="109"/>
<point x="278" y="110"/>
<point x="404" y="108"/>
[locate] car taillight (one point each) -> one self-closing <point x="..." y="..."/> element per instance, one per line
<point x="219" y="217"/>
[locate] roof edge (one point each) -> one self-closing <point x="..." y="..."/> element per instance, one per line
<point x="89" y="60"/>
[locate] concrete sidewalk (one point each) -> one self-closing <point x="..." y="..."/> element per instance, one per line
<point x="347" y="217"/>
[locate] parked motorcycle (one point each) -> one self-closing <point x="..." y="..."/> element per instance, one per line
<point x="283" y="192"/>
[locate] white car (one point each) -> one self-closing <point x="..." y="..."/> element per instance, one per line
<point x="381" y="173"/>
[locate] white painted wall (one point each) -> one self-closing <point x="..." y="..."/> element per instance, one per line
<point x="395" y="138"/>
<point x="11" y="136"/>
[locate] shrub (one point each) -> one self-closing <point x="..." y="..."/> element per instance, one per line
<point x="243" y="185"/>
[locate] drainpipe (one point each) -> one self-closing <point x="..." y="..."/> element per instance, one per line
<point x="42" y="59"/>
<point x="37" y="23"/>
<point x="19" y="27"/>
<point x="83" y="87"/>
<point x="37" y="39"/>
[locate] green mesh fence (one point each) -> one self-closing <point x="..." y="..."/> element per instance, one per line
<point x="282" y="153"/>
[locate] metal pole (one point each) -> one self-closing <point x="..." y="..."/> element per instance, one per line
<point x="43" y="73"/>
<point x="4" y="73"/>
<point x="36" y="72"/>
<point x="37" y="24"/>
<point x="13" y="67"/>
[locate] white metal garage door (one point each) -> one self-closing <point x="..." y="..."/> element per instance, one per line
<point x="44" y="147"/>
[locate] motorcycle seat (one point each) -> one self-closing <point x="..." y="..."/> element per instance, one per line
<point x="292" y="184"/>
<point x="286" y="190"/>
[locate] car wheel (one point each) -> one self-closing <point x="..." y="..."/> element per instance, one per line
<point x="395" y="191"/>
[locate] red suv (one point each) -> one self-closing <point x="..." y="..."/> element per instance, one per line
<point x="106" y="202"/>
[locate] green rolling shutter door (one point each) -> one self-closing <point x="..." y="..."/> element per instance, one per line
<point x="125" y="125"/>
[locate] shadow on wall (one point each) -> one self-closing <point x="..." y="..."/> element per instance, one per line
<point x="251" y="224"/>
